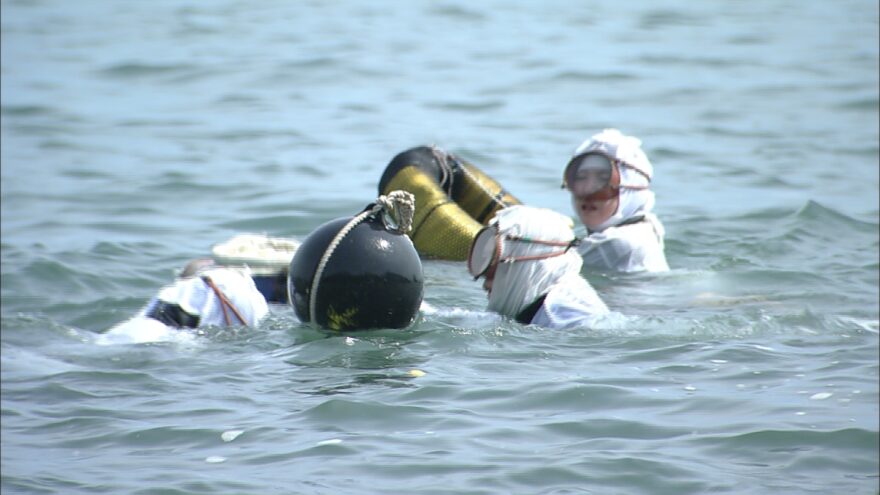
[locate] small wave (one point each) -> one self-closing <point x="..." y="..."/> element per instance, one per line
<point x="26" y="110"/>
<point x="24" y="364"/>
<point x="337" y="411"/>
<point x="579" y="75"/>
<point x="849" y="323"/>
<point x="312" y="63"/>
<point x="819" y="215"/>
<point x="661" y="18"/>
<point x="429" y="309"/>
<point x="667" y="60"/>
<point x="861" y="104"/>
<point x="261" y="223"/>
<point x="136" y="69"/>
<point x="476" y="106"/>
<point x="458" y="13"/>
<point x="168" y="73"/>
<point x="792" y="440"/>
<point x="140" y="330"/>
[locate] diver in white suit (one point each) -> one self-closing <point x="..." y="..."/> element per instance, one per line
<point x="530" y="267"/>
<point x="609" y="177"/>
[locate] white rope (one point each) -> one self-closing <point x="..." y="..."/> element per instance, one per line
<point x="400" y="205"/>
<point x="327" y="254"/>
<point x="448" y="177"/>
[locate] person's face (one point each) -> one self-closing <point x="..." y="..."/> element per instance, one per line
<point x="593" y="185"/>
<point x="593" y="212"/>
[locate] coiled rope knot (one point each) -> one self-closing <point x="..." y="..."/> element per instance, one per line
<point x="400" y="206"/>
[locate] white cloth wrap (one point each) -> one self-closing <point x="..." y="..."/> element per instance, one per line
<point x="635" y="247"/>
<point x="572" y="302"/>
<point x="518" y="284"/>
<point x="195" y="297"/>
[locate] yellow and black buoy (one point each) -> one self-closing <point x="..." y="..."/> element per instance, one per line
<point x="454" y="199"/>
<point x="356" y="273"/>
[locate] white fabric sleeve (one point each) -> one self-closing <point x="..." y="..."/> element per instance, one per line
<point x="195" y="297"/>
<point x="571" y="303"/>
<point x="634" y="247"/>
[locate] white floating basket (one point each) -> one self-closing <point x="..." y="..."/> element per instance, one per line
<point x="268" y="259"/>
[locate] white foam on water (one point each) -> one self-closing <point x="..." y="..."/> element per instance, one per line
<point x="231" y="435"/>
<point x="140" y="330"/>
<point x="332" y="441"/>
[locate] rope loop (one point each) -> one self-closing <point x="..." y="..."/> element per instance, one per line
<point x="447" y="170"/>
<point x="399" y="207"/>
<point x="444" y="159"/>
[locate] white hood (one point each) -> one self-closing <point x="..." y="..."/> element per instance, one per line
<point x="628" y="149"/>
<point x="518" y="284"/>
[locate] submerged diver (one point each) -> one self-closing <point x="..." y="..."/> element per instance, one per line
<point x="609" y="178"/>
<point x="203" y="295"/>
<point x="352" y="273"/>
<point x="531" y="270"/>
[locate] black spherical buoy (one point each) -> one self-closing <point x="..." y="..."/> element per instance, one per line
<point x="371" y="278"/>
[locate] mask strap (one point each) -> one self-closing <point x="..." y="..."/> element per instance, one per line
<point x="567" y="244"/>
<point x="614" y="161"/>
<point x="224" y="301"/>
<point x="637" y="170"/>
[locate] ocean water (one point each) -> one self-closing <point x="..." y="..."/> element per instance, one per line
<point x="135" y="135"/>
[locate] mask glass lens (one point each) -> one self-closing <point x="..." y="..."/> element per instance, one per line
<point x="483" y="252"/>
<point x="592" y="176"/>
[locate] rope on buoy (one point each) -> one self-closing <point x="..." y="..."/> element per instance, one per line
<point x="399" y="205"/>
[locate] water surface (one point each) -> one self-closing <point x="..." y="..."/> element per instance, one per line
<point x="137" y="135"/>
